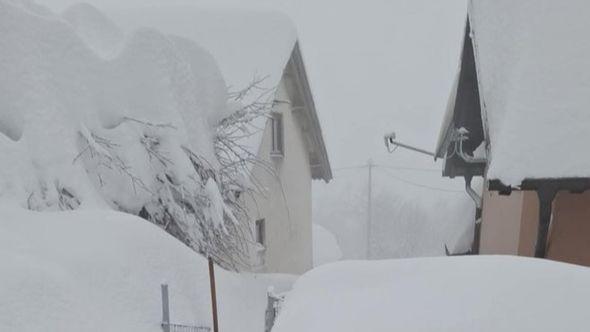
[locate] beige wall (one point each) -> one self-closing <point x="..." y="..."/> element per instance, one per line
<point x="509" y="226"/>
<point x="500" y="228"/>
<point x="286" y="207"/>
<point x="569" y="239"/>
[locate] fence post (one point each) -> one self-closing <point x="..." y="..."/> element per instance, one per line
<point x="165" y="309"/>
<point x="213" y="294"/>
<point x="271" y="312"/>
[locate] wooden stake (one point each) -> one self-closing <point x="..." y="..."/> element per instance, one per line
<point x="213" y="294"/>
<point x="165" y="309"/>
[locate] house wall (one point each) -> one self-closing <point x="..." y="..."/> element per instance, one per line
<point x="510" y="223"/>
<point x="501" y="218"/>
<point x="569" y="238"/>
<point x="286" y="206"/>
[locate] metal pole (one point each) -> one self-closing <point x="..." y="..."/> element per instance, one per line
<point x="165" y="309"/>
<point x="213" y="294"/>
<point x="409" y="147"/>
<point x="369" y="207"/>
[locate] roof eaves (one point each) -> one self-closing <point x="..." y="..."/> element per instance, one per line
<point x="325" y="171"/>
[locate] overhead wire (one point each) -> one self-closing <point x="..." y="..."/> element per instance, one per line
<point x="388" y="171"/>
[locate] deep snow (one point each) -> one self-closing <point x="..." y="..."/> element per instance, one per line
<point x="68" y="80"/>
<point x="99" y="270"/>
<point x="459" y="294"/>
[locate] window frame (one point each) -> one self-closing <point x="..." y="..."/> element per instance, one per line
<point x="277" y="145"/>
<point x="260" y="231"/>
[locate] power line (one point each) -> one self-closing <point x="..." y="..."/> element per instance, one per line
<point x="389" y="173"/>
<point x="348" y="168"/>
<point x="409" y="168"/>
<point x="388" y="166"/>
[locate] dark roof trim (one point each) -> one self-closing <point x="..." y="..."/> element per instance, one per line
<point x="320" y="164"/>
<point x="575" y="185"/>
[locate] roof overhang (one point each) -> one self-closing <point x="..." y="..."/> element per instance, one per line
<point x="546" y="190"/>
<point x="306" y="113"/>
<point x="574" y="185"/>
<point x="463" y="111"/>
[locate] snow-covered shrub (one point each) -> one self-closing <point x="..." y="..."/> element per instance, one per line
<point x="93" y="118"/>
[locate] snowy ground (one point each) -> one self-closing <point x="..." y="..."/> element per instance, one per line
<point x="471" y="293"/>
<point x="102" y="270"/>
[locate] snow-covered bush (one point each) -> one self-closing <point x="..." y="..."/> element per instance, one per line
<point x="140" y="123"/>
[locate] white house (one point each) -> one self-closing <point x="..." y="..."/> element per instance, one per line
<point x="247" y="45"/>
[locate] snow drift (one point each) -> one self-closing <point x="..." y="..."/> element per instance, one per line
<point x="94" y="117"/>
<point x="98" y="270"/>
<point x="54" y="88"/>
<point x="471" y="293"/>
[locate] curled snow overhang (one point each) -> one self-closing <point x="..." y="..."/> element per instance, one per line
<point x="305" y="110"/>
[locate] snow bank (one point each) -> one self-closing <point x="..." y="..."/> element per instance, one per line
<point x="475" y="293"/>
<point x="102" y="270"/>
<point x="325" y="246"/>
<point x="534" y="81"/>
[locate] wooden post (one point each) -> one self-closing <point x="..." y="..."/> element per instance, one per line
<point x="213" y="294"/>
<point x="165" y="309"/>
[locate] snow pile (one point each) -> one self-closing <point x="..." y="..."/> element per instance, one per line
<point x="102" y="270"/>
<point x="55" y="90"/>
<point x="534" y="81"/>
<point x="325" y="246"/>
<point x="92" y="117"/>
<point x="471" y="293"/>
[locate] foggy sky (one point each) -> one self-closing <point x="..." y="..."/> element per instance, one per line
<point x="375" y="66"/>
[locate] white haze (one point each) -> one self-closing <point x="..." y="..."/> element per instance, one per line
<point x="375" y="66"/>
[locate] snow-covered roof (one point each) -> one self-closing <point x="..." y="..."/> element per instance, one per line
<point x="533" y="66"/>
<point x="247" y="45"/>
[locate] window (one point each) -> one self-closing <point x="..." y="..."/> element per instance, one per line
<point x="260" y="229"/>
<point x="277" y="148"/>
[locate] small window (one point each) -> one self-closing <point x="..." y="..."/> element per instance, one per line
<point x="277" y="148"/>
<point x="260" y="229"/>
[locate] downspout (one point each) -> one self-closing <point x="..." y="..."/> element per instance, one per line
<point x="477" y="227"/>
<point x="472" y="193"/>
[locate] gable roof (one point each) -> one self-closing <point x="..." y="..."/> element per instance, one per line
<point x="318" y="156"/>
<point x="246" y="45"/>
<point x="533" y="74"/>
